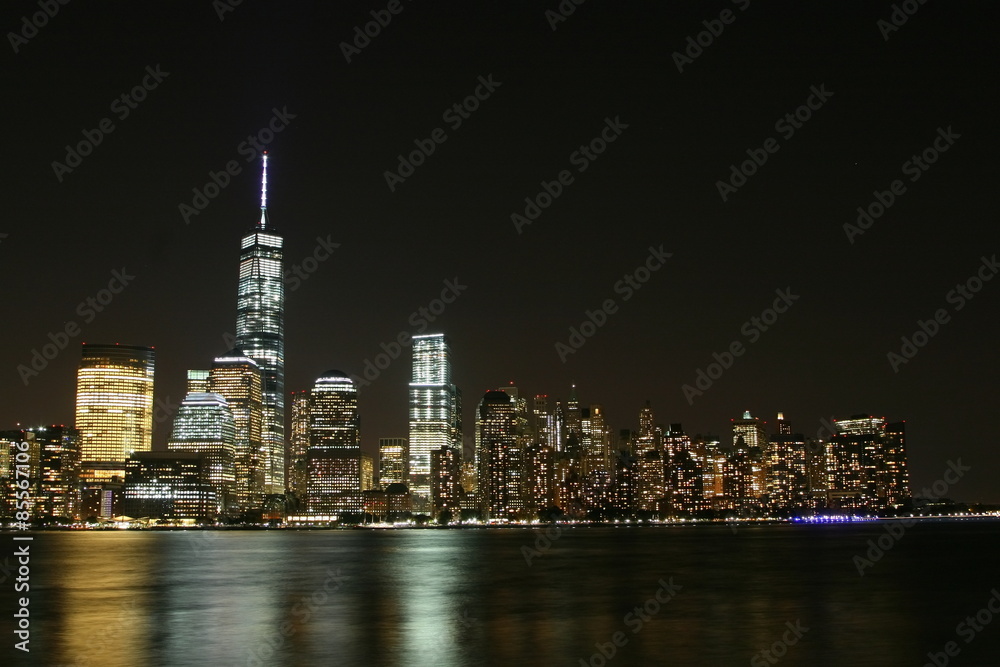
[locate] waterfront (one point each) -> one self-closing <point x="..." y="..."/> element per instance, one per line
<point x="470" y="597"/>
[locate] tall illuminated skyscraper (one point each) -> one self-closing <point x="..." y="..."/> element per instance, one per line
<point x="238" y="379"/>
<point x="204" y="425"/>
<point x="338" y="471"/>
<point x="500" y="461"/>
<point x="297" y="477"/>
<point x="260" y="332"/>
<point x="114" y="408"/>
<point x="435" y="410"/>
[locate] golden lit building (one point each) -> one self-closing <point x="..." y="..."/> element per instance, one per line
<point x="114" y="408"/>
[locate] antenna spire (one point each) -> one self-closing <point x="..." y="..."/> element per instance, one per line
<point x="263" y="195"/>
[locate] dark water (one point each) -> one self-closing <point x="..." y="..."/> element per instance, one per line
<point x="468" y="597"/>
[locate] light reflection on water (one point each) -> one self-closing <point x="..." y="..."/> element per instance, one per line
<point x="467" y="597"/>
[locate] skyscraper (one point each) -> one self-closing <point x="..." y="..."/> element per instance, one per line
<point x="334" y="462"/>
<point x="893" y="475"/>
<point x="857" y="454"/>
<point x="501" y="462"/>
<point x="238" y="379"/>
<point x="204" y="425"/>
<point x="114" y="408"/>
<point x="787" y="474"/>
<point x="446" y="481"/>
<point x="260" y="333"/>
<point x="297" y="477"/>
<point x="393" y="461"/>
<point x="435" y="410"/>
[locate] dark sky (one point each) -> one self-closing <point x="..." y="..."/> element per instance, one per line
<point x="654" y="185"/>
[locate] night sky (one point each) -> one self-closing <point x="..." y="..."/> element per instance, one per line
<point x="554" y="91"/>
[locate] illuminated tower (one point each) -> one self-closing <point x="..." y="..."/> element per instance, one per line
<point x="393" y="461"/>
<point x="298" y="447"/>
<point x="500" y="461"/>
<point x="435" y="410"/>
<point x="748" y="460"/>
<point x="204" y="425"/>
<point x="336" y="468"/>
<point x="893" y="476"/>
<point x="114" y="408"/>
<point x="237" y="378"/>
<point x="260" y="332"/>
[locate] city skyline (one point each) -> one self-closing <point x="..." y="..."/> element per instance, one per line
<point x="364" y="259"/>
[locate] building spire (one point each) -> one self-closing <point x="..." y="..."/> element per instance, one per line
<point x="263" y="196"/>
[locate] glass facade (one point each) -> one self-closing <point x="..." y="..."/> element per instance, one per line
<point x="114" y="407"/>
<point x="260" y="333"/>
<point x="204" y="425"/>
<point x="394" y="455"/>
<point x="237" y="378"/>
<point x="435" y="410"/>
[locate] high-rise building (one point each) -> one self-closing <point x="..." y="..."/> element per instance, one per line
<point x="48" y="459"/>
<point x="337" y="471"/>
<point x="260" y="333"/>
<point x="856" y="457"/>
<point x="893" y="475"/>
<point x="435" y="410"/>
<point x="197" y="381"/>
<point x="572" y="413"/>
<point x="685" y="477"/>
<point x="297" y="476"/>
<point x="868" y="464"/>
<point x="501" y="462"/>
<point x="114" y="408"/>
<point x="22" y="458"/>
<point x="787" y="474"/>
<point x="446" y="481"/>
<point x="749" y="483"/>
<point x="237" y="378"/>
<point x="539" y="478"/>
<point x="542" y="418"/>
<point x="204" y="425"/>
<point x="393" y="461"/>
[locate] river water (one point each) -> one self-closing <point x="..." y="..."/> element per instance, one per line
<point x="698" y="595"/>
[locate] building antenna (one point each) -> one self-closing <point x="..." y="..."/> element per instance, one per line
<point x="263" y="195"/>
